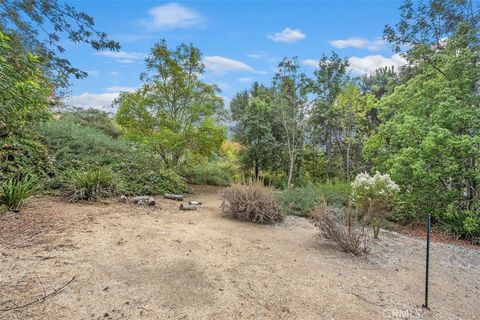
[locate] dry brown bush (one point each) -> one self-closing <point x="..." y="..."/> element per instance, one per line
<point x="251" y="201"/>
<point x="342" y="228"/>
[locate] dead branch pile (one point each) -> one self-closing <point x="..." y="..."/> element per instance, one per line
<point x="251" y="201"/>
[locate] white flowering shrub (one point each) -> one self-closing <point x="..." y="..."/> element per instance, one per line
<point x="374" y="196"/>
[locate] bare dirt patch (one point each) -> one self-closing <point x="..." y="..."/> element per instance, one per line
<point x="132" y="262"/>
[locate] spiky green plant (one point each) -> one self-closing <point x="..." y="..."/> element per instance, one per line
<point x="15" y="191"/>
<point x="91" y="185"/>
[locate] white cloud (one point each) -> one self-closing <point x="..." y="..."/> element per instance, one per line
<point x="288" y="35"/>
<point x="126" y="61"/>
<point x="92" y="100"/>
<point x="172" y="16"/>
<point x="368" y="64"/>
<point x="257" y="55"/>
<point x="120" y="89"/>
<point x="114" y="73"/>
<point x="123" y="56"/>
<point x="219" y="65"/>
<point x="222" y="85"/>
<point x="359" y="43"/>
<point x="245" y="80"/>
<point x="93" y="72"/>
<point x="310" y="62"/>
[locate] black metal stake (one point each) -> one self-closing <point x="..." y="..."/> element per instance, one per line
<point x="427" y="261"/>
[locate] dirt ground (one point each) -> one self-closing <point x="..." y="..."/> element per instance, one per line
<point x="131" y="262"/>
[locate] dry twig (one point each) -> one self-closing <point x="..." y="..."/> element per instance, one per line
<point x="39" y="300"/>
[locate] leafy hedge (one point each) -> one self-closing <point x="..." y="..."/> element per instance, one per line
<point x="77" y="146"/>
<point x="303" y="200"/>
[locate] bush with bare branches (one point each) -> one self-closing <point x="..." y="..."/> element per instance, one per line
<point x="251" y="201"/>
<point x="343" y="229"/>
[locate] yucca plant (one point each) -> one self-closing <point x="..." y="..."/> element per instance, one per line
<point x="91" y="185"/>
<point x="15" y="191"/>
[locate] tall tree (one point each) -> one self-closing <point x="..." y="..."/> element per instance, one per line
<point x="352" y="108"/>
<point x="329" y="78"/>
<point x="290" y="99"/>
<point x="253" y="113"/>
<point x="24" y="103"/>
<point x="175" y="111"/>
<point x="259" y="143"/>
<point x="41" y="27"/>
<point x="380" y="83"/>
<point x="425" y="26"/>
<point x="430" y="137"/>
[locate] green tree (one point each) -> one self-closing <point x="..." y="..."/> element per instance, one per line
<point x="328" y="81"/>
<point x="41" y="27"/>
<point x="429" y="141"/>
<point x="259" y="143"/>
<point x="290" y="99"/>
<point x="352" y="108"/>
<point x="174" y="112"/>
<point x="23" y="104"/>
<point x="425" y="26"/>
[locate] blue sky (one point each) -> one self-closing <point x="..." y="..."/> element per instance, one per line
<point x="241" y="41"/>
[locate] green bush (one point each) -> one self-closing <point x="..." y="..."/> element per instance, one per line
<point x="336" y="193"/>
<point x="95" y="118"/>
<point x="301" y="201"/>
<point x="78" y="146"/>
<point x="463" y="224"/>
<point x="22" y="154"/>
<point x="210" y="174"/>
<point x="90" y="185"/>
<point x="141" y="174"/>
<point x="15" y="191"/>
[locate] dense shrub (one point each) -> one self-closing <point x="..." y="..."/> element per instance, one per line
<point x="343" y="229"/>
<point x="464" y="223"/>
<point x="141" y="174"/>
<point x="95" y="118"/>
<point x="24" y="102"/>
<point x="90" y="185"/>
<point x="335" y="193"/>
<point x="303" y="200"/>
<point x="251" y="201"/>
<point x="209" y="174"/>
<point x="22" y="154"/>
<point x="300" y="201"/>
<point x="77" y="146"/>
<point x="15" y="191"/>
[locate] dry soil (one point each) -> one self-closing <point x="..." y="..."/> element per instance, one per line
<point x="132" y="262"/>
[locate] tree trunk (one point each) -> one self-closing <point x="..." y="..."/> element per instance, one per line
<point x="188" y="207"/>
<point x="347" y="165"/>
<point x="290" y="171"/>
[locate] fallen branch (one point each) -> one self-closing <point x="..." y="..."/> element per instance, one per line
<point x="39" y="300"/>
<point x="188" y="207"/>
<point x="171" y="196"/>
